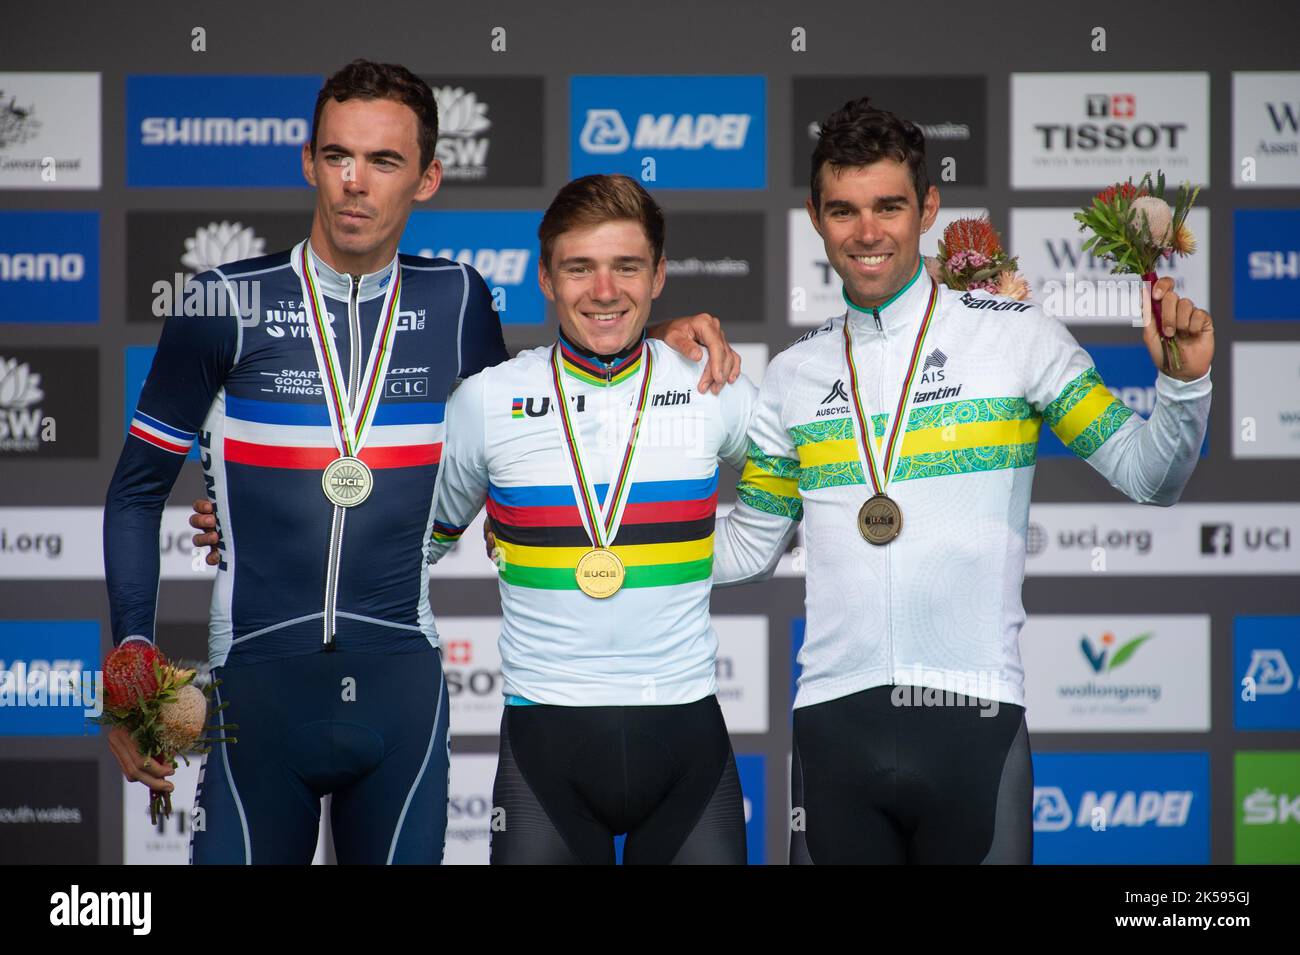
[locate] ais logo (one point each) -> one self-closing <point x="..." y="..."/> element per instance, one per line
<point x="671" y="132"/>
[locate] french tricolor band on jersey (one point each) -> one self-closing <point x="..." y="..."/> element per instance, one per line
<point x="161" y="435"/>
<point x="350" y="423"/>
<point x="601" y="524"/>
<point x="880" y="480"/>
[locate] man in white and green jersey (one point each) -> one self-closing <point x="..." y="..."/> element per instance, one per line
<point x="915" y="538"/>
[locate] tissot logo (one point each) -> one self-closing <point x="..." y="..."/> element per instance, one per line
<point x="1114" y="105"/>
<point x="837" y="393"/>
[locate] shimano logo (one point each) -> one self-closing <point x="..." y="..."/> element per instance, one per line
<point x="1266" y="265"/>
<point x="42" y="267"/>
<point x="605" y="133"/>
<point x="223" y="131"/>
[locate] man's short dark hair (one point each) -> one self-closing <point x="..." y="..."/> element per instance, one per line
<point x="594" y="200"/>
<point x="859" y="134"/>
<point x="370" y="80"/>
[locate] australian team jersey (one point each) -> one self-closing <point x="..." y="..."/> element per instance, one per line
<point x="296" y="575"/>
<point x="940" y="605"/>
<point x="650" y="643"/>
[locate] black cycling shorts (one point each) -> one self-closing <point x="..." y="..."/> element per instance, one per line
<point x="571" y="778"/>
<point x="881" y="777"/>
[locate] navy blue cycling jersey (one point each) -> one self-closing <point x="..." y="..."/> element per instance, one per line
<point x="247" y="389"/>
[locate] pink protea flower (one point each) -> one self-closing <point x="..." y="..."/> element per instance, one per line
<point x="1158" y="216"/>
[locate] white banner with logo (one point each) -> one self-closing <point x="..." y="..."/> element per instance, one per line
<point x="1090" y="130"/>
<point x="1116" y="673"/>
<point x="1265" y="400"/>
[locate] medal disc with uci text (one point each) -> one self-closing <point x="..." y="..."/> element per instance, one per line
<point x="880" y="519"/>
<point x="347" y="481"/>
<point x="600" y="573"/>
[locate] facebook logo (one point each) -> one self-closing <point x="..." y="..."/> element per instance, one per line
<point x="1216" y="539"/>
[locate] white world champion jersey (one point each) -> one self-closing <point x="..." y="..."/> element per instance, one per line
<point x="651" y="642"/>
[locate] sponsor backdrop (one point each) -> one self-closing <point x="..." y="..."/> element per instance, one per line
<point x="1162" y="646"/>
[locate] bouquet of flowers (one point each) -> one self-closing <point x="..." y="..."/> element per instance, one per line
<point x="159" y="704"/>
<point x="1134" y="227"/>
<point x="971" y="257"/>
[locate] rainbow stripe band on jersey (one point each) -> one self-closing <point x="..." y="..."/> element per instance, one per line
<point x="665" y="538"/>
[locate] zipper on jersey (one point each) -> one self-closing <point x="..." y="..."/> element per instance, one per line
<point x="335" y="555"/>
<point x="889" y="584"/>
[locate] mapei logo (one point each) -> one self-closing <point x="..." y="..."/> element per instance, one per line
<point x="605" y="133"/>
<point x="1101" y="660"/>
<point x="714" y="127"/>
<point x="1111" y="809"/>
<point x="1269" y="673"/>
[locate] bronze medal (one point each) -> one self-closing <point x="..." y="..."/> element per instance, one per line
<point x="880" y="519"/>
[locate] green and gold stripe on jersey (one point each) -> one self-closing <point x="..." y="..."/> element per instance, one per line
<point x="963" y="437"/>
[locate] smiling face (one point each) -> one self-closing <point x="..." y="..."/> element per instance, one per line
<point x="367" y="174"/>
<point x="602" y="279"/>
<point x="871" y="227"/>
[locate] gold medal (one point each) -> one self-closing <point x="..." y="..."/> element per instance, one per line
<point x="347" y="481"/>
<point x="880" y="520"/>
<point x="600" y="573"/>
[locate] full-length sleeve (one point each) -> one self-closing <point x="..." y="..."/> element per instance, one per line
<point x="194" y="357"/>
<point x="1149" y="461"/>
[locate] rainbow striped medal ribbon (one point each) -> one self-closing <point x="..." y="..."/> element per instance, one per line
<point x="599" y="572"/>
<point x="347" y="480"/>
<point x="880" y="519"/>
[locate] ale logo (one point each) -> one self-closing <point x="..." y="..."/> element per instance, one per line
<point x="1102" y="661"/>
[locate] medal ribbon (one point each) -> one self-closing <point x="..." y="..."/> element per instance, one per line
<point x="350" y="425"/>
<point x="601" y="529"/>
<point x="866" y="433"/>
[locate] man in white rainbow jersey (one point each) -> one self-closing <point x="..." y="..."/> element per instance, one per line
<point x="598" y="461"/>
<point x="916" y="540"/>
